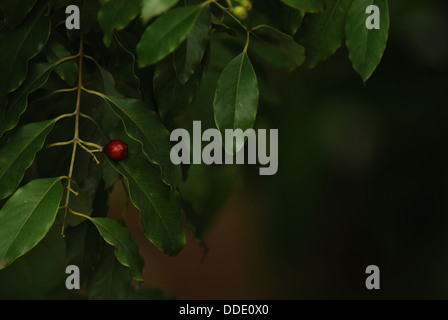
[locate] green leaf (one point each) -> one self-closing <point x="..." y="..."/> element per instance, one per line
<point x="83" y="247"/>
<point x="67" y="71"/>
<point x="39" y="274"/>
<point x="291" y="20"/>
<point x="110" y="176"/>
<point x="305" y="5"/>
<point x="108" y="81"/>
<point x="152" y="8"/>
<point x="143" y="125"/>
<point x="126" y="249"/>
<point x="27" y="216"/>
<point x="80" y="203"/>
<point x="100" y="204"/>
<point x="171" y="95"/>
<point x="324" y="33"/>
<point x="18" y="153"/>
<point x="366" y="47"/>
<point x="88" y="17"/>
<point x="277" y="15"/>
<point x="160" y="207"/>
<point x="53" y="162"/>
<point x="218" y="25"/>
<point x="165" y="34"/>
<point x="91" y="183"/>
<point x="124" y="64"/>
<point x="38" y="76"/>
<point x="111" y="280"/>
<point x="188" y="57"/>
<point x="18" y="46"/>
<point x="95" y="187"/>
<point x="116" y="15"/>
<point x="13" y="13"/>
<point x="282" y="51"/>
<point x="236" y="97"/>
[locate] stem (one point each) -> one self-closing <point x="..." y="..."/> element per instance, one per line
<point x="91" y="144"/>
<point x="207" y="3"/>
<point x="233" y="17"/>
<point x="79" y="214"/>
<point x="76" y="136"/>
<point x="58" y="24"/>
<point x="68" y="58"/>
<point x="73" y="191"/>
<point x="62" y="116"/>
<point x="61" y="91"/>
<point x="57" y="144"/>
<point x="89" y="151"/>
<point x="55" y="92"/>
<point x="247" y="42"/>
<point x="259" y="39"/>
<point x="90" y="58"/>
<point x="260" y="26"/>
<point x="99" y="94"/>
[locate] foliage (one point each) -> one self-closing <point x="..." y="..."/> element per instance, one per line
<point x="131" y="72"/>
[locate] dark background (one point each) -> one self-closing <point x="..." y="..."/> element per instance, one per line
<point x="362" y="180"/>
<point x="363" y="174"/>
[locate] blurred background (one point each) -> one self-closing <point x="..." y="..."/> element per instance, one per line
<point x="362" y="180"/>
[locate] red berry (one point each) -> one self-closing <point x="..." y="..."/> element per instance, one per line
<point x="116" y="150"/>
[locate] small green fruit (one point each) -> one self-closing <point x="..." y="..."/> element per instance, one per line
<point x="246" y="4"/>
<point x="240" y="12"/>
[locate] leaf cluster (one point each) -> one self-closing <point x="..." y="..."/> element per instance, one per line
<point x="131" y="72"/>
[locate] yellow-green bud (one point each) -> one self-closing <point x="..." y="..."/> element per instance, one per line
<point x="239" y="12"/>
<point x="246" y="4"/>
